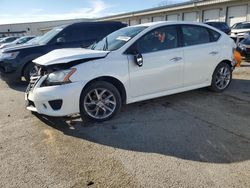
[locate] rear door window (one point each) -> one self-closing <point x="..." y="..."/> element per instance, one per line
<point x="194" y="35"/>
<point x="88" y="32"/>
<point x="77" y="33"/>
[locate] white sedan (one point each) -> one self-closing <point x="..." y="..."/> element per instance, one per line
<point x="132" y="64"/>
<point x="239" y="31"/>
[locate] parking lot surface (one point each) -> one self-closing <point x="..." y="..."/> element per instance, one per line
<point x="193" y="139"/>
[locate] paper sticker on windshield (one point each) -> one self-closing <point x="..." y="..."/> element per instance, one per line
<point x="123" y="38"/>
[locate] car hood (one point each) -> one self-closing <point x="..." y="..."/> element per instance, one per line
<point x="20" y="47"/>
<point x="63" y="56"/>
<point x="6" y="45"/>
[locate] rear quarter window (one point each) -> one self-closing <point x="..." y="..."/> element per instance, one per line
<point x="214" y="35"/>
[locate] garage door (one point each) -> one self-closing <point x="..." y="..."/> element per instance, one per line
<point x="133" y="22"/>
<point x="190" y="16"/>
<point x="211" y="15"/>
<point x="172" y="17"/>
<point x="158" y="18"/>
<point x="145" y="20"/>
<point x="237" y="14"/>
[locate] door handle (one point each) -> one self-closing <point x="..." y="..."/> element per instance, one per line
<point x="214" y="53"/>
<point x="175" y="59"/>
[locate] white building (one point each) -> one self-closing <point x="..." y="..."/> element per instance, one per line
<point x="34" y="28"/>
<point x="230" y="11"/>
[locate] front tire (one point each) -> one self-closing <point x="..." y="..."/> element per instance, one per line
<point x="222" y="77"/>
<point x="100" y="101"/>
<point x="28" y="71"/>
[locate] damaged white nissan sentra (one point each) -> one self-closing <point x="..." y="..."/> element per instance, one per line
<point x="132" y="64"/>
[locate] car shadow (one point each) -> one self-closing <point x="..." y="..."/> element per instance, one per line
<point x="199" y="125"/>
<point x="246" y="65"/>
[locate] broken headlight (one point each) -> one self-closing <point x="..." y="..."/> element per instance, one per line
<point x="60" y="77"/>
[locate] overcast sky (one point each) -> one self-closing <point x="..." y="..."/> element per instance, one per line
<point x="18" y="11"/>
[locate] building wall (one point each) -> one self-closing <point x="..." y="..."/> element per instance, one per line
<point x="36" y="28"/>
<point x="185" y="11"/>
<point x="189" y="11"/>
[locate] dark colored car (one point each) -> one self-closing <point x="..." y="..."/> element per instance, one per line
<point x="16" y="62"/>
<point x="221" y="26"/>
<point x="19" y="41"/>
<point x="244" y="48"/>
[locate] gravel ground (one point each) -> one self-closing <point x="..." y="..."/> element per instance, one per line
<point x="192" y="139"/>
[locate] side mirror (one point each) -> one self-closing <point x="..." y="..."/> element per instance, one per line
<point x="60" y="40"/>
<point x="138" y="60"/>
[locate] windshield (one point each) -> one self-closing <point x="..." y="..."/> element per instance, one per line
<point x="34" y="40"/>
<point x="241" y="26"/>
<point x="22" y="40"/>
<point x="117" y="39"/>
<point x="49" y="35"/>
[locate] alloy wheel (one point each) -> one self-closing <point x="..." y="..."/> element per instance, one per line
<point x="100" y="103"/>
<point x="223" y="78"/>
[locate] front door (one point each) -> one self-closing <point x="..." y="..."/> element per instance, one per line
<point x="163" y="63"/>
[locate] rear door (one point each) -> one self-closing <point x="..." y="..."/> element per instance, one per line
<point x="201" y="53"/>
<point x="163" y="63"/>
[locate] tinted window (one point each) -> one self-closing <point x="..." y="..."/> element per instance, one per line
<point x="50" y="35"/>
<point x="194" y="35"/>
<point x="246" y="26"/>
<point x="118" y="38"/>
<point x="241" y="26"/>
<point x="11" y="39"/>
<point x="214" y="35"/>
<point x="101" y="30"/>
<point x="219" y="25"/>
<point x="76" y="33"/>
<point x="88" y="31"/>
<point x="159" y="39"/>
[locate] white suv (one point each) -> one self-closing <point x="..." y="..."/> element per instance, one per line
<point x="132" y="64"/>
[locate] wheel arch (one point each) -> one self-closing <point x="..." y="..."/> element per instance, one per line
<point x="117" y="83"/>
<point x="25" y="66"/>
<point x="227" y="62"/>
<point x="27" y="60"/>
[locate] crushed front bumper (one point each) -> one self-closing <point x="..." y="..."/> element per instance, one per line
<point x="57" y="101"/>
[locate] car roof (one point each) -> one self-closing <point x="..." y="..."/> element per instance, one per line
<point x="150" y="24"/>
<point x="246" y="22"/>
<point x="214" y="22"/>
<point x="97" y="23"/>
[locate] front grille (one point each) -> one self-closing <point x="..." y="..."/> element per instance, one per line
<point x="33" y="82"/>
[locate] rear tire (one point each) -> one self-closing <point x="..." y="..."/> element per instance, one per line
<point x="222" y="77"/>
<point x="100" y="101"/>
